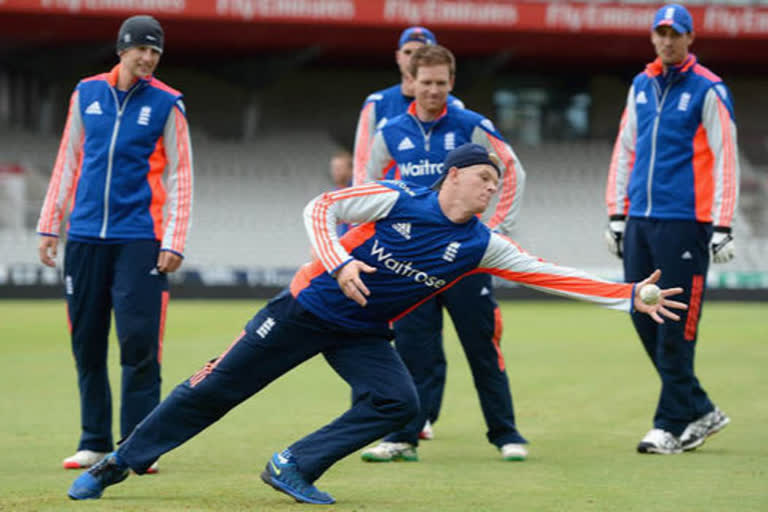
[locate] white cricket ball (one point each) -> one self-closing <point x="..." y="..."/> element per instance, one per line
<point x="650" y="294"/>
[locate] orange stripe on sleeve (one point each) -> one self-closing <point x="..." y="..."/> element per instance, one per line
<point x="729" y="167"/>
<point x="509" y="184"/>
<point x="573" y="285"/>
<point x="324" y="244"/>
<point x="362" y="144"/>
<point x="54" y="204"/>
<point x="184" y="198"/>
<point x="611" y="194"/>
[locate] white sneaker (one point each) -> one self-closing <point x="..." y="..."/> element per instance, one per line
<point x="391" y="452"/>
<point x="698" y="431"/>
<point x="83" y="459"/>
<point x="660" y="441"/>
<point x="427" y="434"/>
<point x="514" y="451"/>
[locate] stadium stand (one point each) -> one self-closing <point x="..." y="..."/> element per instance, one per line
<point x="249" y="198"/>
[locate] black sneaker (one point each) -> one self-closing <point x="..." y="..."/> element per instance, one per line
<point x="90" y="485"/>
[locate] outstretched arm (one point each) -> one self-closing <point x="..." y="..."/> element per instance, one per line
<point x="505" y="258"/>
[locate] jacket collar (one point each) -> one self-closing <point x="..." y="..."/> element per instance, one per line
<point x="412" y="111"/>
<point x="656" y="68"/>
<point x="114" y="73"/>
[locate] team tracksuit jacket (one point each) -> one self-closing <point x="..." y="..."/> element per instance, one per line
<point x="676" y="155"/>
<point x="314" y="316"/>
<point x="114" y="150"/>
<point x="404" y="148"/>
<point x="111" y="162"/>
<point x="379" y="107"/>
<point x="674" y="173"/>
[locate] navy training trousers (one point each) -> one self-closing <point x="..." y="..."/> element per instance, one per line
<point x="100" y="278"/>
<point x="477" y="319"/>
<point x="680" y="249"/>
<point x="280" y="337"/>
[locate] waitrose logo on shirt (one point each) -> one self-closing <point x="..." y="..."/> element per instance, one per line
<point x="423" y="168"/>
<point x="404" y="269"/>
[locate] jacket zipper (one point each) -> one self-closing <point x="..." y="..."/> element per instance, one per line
<point x="110" y="157"/>
<point x="424" y="134"/>
<point x="651" y="163"/>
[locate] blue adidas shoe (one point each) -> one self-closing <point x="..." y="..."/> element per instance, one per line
<point x="283" y="475"/>
<point x="89" y="485"/>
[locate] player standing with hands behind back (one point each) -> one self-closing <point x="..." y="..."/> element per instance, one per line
<point x="674" y="175"/>
<point x="412" y="147"/>
<point x="124" y="128"/>
<point x="378" y="108"/>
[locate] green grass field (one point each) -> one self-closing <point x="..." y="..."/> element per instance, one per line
<point x="584" y="395"/>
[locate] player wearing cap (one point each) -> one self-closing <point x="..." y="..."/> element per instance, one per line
<point x="411" y="147"/>
<point x="392" y="101"/>
<point x="674" y="175"/>
<point x="340" y="305"/>
<point x="123" y="129"/>
<point x="377" y="108"/>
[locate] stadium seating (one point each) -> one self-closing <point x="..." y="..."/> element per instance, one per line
<point x="249" y="200"/>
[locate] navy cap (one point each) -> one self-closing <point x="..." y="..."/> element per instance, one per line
<point x="141" y="30"/>
<point x="418" y="34"/>
<point x="675" y="16"/>
<point x="466" y="155"/>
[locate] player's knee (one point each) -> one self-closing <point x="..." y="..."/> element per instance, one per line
<point x="400" y="404"/>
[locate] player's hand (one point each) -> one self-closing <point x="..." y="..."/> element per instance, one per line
<point x="168" y="262"/>
<point x="48" y="249"/>
<point x="722" y="245"/>
<point x="656" y="311"/>
<point x="350" y="282"/>
<point x="614" y="235"/>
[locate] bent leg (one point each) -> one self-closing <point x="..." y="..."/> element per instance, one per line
<point x="419" y="342"/>
<point x="265" y="350"/>
<point x="386" y="400"/>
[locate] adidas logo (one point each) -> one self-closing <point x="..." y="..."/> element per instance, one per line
<point x="94" y="109"/>
<point x="641" y="98"/>
<point x="485" y="291"/>
<point x="404" y="228"/>
<point x="405" y="144"/>
<point x="686" y="256"/>
<point x="154" y="272"/>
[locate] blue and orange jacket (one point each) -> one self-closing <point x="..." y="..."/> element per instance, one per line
<point x="110" y="165"/>
<point x="377" y="108"/>
<point x="676" y="155"/>
<point x="418" y="253"/>
<point x="403" y="149"/>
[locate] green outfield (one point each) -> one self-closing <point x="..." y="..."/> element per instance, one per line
<point x="584" y="394"/>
